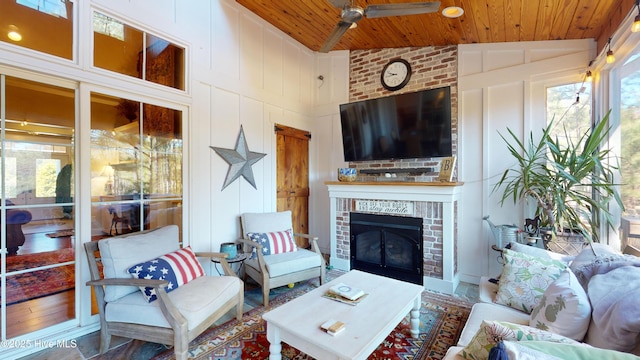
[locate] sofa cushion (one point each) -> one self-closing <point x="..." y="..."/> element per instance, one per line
<point x="515" y="350"/>
<point x="195" y="301"/>
<point x="587" y="264"/>
<point x="485" y="311"/>
<point x="276" y="242"/>
<point x="615" y="318"/>
<point x="492" y="332"/>
<point x="575" y="351"/>
<point x="119" y="253"/>
<point x="524" y="279"/>
<point x="288" y="263"/>
<point x="178" y="268"/>
<point x="538" y="252"/>
<point x="564" y="308"/>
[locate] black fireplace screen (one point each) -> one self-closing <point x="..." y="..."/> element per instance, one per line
<point x="387" y="245"/>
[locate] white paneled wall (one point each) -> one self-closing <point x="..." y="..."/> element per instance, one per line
<point x="502" y="86"/>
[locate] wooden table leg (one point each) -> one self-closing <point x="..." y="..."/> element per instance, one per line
<point x="415" y="317"/>
<point x="275" y="346"/>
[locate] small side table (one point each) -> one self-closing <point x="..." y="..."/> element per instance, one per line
<point x="239" y="260"/>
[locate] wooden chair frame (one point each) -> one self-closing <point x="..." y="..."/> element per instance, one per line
<point x="267" y="282"/>
<point x="178" y="335"/>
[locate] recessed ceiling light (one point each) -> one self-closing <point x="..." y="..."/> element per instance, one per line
<point x="452" y="12"/>
<point x="13" y="33"/>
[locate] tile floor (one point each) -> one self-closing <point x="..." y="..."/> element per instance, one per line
<point x="121" y="348"/>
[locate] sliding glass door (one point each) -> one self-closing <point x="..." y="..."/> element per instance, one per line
<point x="37" y="273"/>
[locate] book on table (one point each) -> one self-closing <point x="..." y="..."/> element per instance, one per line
<point x="332" y="327"/>
<point x="346" y="291"/>
<point x="336" y="297"/>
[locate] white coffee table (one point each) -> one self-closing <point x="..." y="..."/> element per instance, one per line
<point x="367" y="324"/>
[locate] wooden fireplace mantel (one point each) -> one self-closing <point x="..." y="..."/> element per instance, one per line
<point x="394" y="183"/>
<point x="448" y="194"/>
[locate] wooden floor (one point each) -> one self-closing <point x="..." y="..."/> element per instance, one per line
<point x="32" y="315"/>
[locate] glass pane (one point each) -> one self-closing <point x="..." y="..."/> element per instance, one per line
<point x="162" y="147"/>
<point x="130" y="172"/>
<point x="164" y="63"/>
<point x="630" y="151"/>
<point x="116" y="46"/>
<point x="569" y="106"/>
<point x="114" y="147"/>
<point x="38" y="153"/>
<point x="45" y="26"/>
<point x="38" y="148"/>
<point x="163" y="213"/>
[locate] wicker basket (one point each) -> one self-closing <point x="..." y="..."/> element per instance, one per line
<point x="569" y="244"/>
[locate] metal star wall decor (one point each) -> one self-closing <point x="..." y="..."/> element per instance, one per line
<point x="240" y="161"/>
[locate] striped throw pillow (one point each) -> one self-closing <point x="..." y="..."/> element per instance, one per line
<point x="178" y="268"/>
<point x="276" y="242"/>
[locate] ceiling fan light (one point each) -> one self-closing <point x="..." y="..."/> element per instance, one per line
<point x="452" y="12"/>
<point x="353" y="26"/>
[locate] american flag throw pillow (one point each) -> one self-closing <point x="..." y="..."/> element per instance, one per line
<point x="276" y="242"/>
<point x="177" y="268"/>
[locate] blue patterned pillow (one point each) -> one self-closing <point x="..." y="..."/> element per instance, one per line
<point x="276" y="242"/>
<point x="178" y="268"/>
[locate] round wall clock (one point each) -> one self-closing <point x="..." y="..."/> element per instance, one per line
<point x="396" y="74"/>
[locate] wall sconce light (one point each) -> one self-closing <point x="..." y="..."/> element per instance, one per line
<point x="610" y="57"/>
<point x="635" y="27"/>
<point x="589" y="76"/>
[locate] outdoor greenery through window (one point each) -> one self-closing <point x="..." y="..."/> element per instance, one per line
<point x="630" y="133"/>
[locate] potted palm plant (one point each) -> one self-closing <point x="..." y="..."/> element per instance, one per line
<point x="571" y="182"/>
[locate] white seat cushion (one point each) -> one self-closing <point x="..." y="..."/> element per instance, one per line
<point x="484" y="311"/>
<point x="196" y="300"/>
<point x="287" y="263"/>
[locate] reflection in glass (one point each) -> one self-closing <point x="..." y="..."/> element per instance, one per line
<point x="48" y="30"/>
<point x="113" y="53"/>
<point x="134" y="164"/>
<point x="164" y="63"/>
<point x="38" y="209"/>
<point x="121" y="48"/>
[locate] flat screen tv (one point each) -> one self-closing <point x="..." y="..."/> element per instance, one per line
<point x="404" y="126"/>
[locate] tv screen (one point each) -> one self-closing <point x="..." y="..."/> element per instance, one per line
<point x="404" y="126"/>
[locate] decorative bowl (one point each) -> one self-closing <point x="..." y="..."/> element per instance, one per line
<point x="347" y="174"/>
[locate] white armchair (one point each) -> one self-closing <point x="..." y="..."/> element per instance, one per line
<point x="275" y="270"/>
<point x="175" y="317"/>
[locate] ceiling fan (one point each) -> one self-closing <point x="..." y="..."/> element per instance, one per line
<point x="352" y="13"/>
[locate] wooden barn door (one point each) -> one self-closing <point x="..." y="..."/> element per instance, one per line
<point x="293" y="177"/>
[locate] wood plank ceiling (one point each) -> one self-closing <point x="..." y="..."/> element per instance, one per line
<point x="484" y="21"/>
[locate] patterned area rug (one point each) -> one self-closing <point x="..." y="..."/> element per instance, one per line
<point x="40" y="283"/>
<point x="442" y="318"/>
<point x="61" y="233"/>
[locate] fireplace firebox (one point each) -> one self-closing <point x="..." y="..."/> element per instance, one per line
<point x="387" y="245"/>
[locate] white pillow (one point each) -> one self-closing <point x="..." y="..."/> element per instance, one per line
<point x="564" y="308"/>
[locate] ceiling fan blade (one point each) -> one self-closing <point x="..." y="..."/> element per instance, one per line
<point x="383" y="10"/>
<point x="335" y="36"/>
<point x="340" y="3"/>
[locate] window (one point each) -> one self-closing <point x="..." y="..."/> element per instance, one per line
<point x="40" y="25"/>
<point x="136" y="162"/>
<point x="56" y="8"/>
<point x="126" y="50"/>
<point x="108" y="26"/>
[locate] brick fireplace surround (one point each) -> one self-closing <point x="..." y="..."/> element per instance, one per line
<point x="436" y="203"/>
